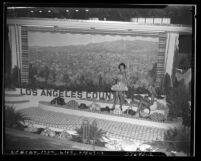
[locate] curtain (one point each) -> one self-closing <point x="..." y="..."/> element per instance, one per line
<point x="14" y="45"/>
<point x="7" y="59"/>
<point x="171" y="49"/>
<point x="19" y="50"/>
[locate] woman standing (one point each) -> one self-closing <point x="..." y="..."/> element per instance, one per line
<point x="121" y="86"/>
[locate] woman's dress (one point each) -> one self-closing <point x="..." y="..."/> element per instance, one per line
<point x="121" y="83"/>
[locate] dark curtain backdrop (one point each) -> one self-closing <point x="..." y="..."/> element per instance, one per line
<point x="7" y="55"/>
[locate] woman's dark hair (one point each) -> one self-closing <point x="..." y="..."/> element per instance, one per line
<point x="122" y="64"/>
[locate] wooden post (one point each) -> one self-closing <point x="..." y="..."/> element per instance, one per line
<point x="94" y="125"/>
<point x="85" y="128"/>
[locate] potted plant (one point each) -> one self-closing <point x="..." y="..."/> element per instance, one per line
<point x="178" y="139"/>
<point x="178" y="104"/>
<point x="14" y="119"/>
<point x="94" y="135"/>
<point x="176" y="142"/>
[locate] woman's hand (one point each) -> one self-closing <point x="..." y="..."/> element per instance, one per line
<point x="114" y="81"/>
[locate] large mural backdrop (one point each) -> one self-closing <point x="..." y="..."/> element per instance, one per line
<point x="89" y="62"/>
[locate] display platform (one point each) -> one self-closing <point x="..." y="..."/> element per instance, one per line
<point x="106" y="116"/>
<point x="44" y="102"/>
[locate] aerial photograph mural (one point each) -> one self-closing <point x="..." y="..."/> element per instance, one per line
<point x="89" y="62"/>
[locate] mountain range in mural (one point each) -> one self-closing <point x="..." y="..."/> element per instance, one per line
<point x="89" y="62"/>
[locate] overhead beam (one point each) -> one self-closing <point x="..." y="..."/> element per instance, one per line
<point x="112" y="26"/>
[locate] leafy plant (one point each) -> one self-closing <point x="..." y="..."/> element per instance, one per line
<point x="13" y="118"/>
<point x="178" y="139"/>
<point x="94" y="134"/>
<point x="178" y="104"/>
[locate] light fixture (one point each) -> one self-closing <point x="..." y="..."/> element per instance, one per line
<point x="86" y="10"/>
<point x="67" y="10"/>
<point x="49" y="11"/>
<point x="76" y="10"/>
<point x="31" y="11"/>
<point x="40" y="11"/>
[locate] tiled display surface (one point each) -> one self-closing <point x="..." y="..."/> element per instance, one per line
<point x="114" y="129"/>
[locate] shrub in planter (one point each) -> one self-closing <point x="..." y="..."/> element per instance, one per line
<point x="64" y="135"/>
<point x="48" y="132"/>
<point x="130" y="112"/>
<point x="95" y="107"/>
<point x="83" y="106"/>
<point x="31" y="129"/>
<point x="14" y="119"/>
<point x="58" y="100"/>
<point x="107" y="109"/>
<point x="72" y="103"/>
